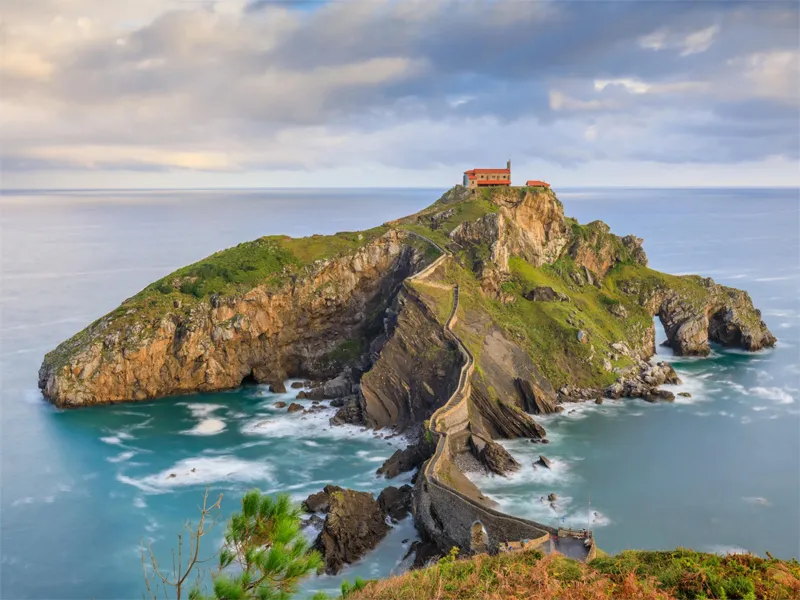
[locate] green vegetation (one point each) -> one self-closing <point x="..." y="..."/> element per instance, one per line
<point x="264" y="555"/>
<point x="680" y="574"/>
<point x="270" y="261"/>
<point x="425" y="223"/>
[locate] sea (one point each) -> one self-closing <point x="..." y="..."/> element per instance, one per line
<point x="82" y="491"/>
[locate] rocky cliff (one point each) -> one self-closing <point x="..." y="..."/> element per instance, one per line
<point x="310" y="321"/>
<point x="545" y="303"/>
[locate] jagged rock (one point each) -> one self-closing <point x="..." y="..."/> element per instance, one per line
<point x="534" y="398"/>
<point x="407" y="459"/>
<point x="337" y="402"/>
<point x="294" y="407"/>
<point x="543" y="461"/>
<point x="656" y="395"/>
<point x="277" y="387"/>
<point x="684" y="394"/>
<point x="351" y="411"/>
<point x="607" y="366"/>
<point x="507" y="420"/>
<point x="493" y="456"/>
<point x="618" y="311"/>
<point x="622" y="348"/>
<point x="297" y="385"/>
<point x="437" y="219"/>
<point x="319" y="501"/>
<point x="552" y="497"/>
<point x="354" y="525"/>
<point x="302" y="396"/>
<point x="545" y="294"/>
<point x="279" y="404"/>
<point x="396" y="502"/>
<point x="338" y="387"/>
<point x="583" y="337"/>
<point x="598" y="400"/>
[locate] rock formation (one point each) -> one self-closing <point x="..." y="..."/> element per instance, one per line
<point x="354" y="524"/>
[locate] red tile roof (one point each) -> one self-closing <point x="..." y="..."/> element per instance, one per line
<point x="474" y="171"/>
<point x="537" y="183"/>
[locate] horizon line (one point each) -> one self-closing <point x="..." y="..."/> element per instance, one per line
<point x="424" y="187"/>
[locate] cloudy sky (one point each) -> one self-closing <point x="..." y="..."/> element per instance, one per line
<point x="194" y="93"/>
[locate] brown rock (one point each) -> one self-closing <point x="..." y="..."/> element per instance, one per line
<point x="297" y="385"/>
<point x="294" y="407"/>
<point x="396" y="502"/>
<point x="277" y="388"/>
<point x="407" y="459"/>
<point x="354" y="525"/>
<point x="279" y="404"/>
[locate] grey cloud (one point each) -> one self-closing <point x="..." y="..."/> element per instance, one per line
<point x="468" y="80"/>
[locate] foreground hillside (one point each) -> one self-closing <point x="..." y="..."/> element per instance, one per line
<point x="632" y="575"/>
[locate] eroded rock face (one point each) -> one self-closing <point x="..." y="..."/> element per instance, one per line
<point x="415" y="373"/>
<point x="504" y="420"/>
<point x="725" y="315"/>
<point x="355" y="523"/>
<point x="265" y="334"/>
<point x="492" y="456"/>
<point x="534" y="399"/>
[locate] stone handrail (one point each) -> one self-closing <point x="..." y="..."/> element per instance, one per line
<point x="457" y="401"/>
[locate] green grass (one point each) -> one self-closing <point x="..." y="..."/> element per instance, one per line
<point x="268" y="261"/>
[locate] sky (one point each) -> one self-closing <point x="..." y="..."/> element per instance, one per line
<point x="384" y="93"/>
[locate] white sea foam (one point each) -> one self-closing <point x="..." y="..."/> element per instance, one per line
<point x="200" y="410"/>
<point x="206" y="427"/>
<point x="776" y="394"/>
<point x="760" y="408"/>
<point x="201" y="470"/>
<point x="314" y="426"/>
<point x="122" y="456"/>
<point x="139" y="502"/>
<point x="117" y="438"/>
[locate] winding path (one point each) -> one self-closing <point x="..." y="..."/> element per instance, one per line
<point x="453" y="418"/>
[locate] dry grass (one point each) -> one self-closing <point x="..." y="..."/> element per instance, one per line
<point x="628" y="576"/>
<point x="510" y="577"/>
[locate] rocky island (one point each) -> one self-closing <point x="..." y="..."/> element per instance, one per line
<point x="456" y="325"/>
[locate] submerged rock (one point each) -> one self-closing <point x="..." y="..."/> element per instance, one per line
<point x="543" y="461"/>
<point x="280" y="404"/>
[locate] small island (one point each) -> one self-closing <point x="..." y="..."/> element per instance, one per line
<point x="455" y="326"/>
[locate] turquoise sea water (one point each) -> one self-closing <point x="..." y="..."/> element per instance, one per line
<point x="81" y="488"/>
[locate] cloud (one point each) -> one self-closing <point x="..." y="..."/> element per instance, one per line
<point x="230" y="86"/>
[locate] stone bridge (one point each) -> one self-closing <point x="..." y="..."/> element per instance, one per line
<point x="451" y="515"/>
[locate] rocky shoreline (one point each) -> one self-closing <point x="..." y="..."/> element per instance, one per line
<point x="552" y="311"/>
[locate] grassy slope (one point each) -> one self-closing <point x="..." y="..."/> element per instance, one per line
<point x="268" y="260"/>
<point x="681" y="574"/>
